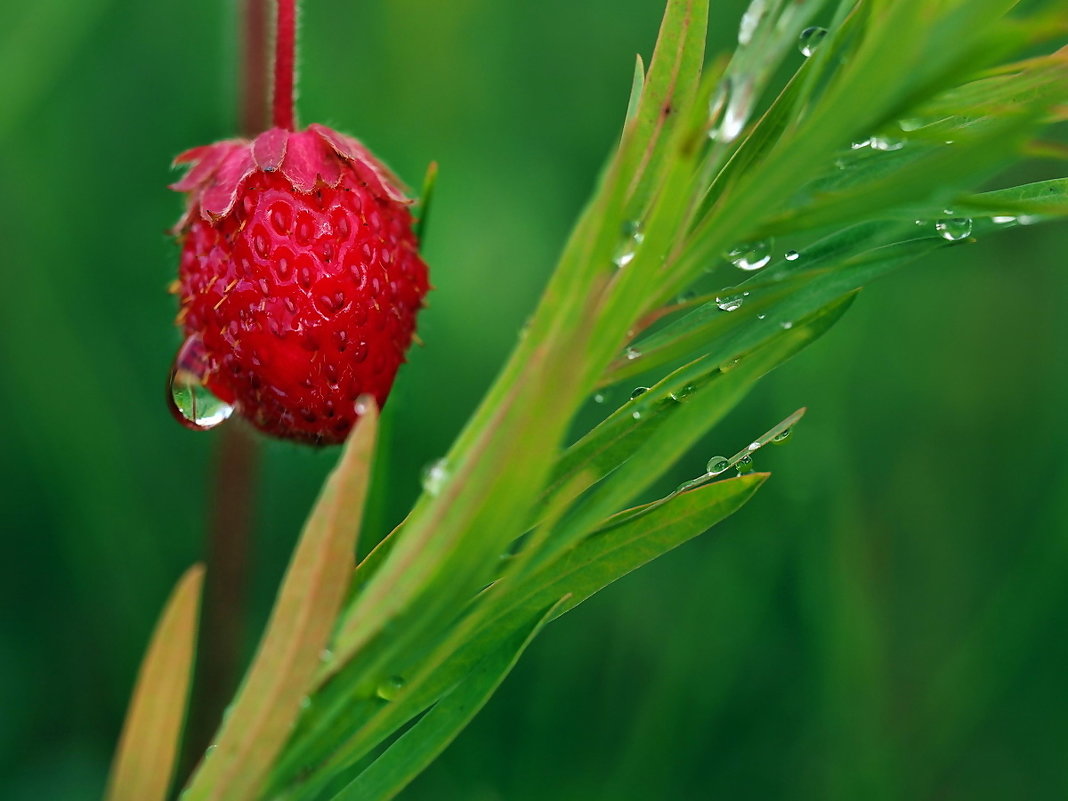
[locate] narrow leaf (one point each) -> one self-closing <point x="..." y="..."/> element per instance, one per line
<point x="417" y="747"/>
<point x="148" y="747"/>
<point x="301" y="623"/>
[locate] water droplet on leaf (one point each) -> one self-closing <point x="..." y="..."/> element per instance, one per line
<point x="781" y="437"/>
<point x="810" y="39"/>
<point x="729" y="303"/>
<point x="435" y="475"/>
<point x="193" y="404"/>
<point x="886" y="143"/>
<point x="751" y="20"/>
<point x="717" y="465"/>
<point x="954" y="229"/>
<point x="638" y="391"/>
<point x="750" y="256"/>
<point x="1002" y="220"/>
<point x="632" y="353"/>
<point x="388" y="689"/>
<point x="744" y="465"/>
<point x="792" y="255"/>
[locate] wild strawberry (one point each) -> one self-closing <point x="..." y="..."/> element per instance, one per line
<point x="299" y="283"/>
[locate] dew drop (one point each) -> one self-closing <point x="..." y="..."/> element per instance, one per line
<point x="193" y="404"/>
<point x="750" y="256"/>
<point x="792" y="255"/>
<point x="858" y="145"/>
<point x="729" y="303"/>
<point x="787" y="325"/>
<point x="599" y="397"/>
<point x="954" y="229"/>
<point x="751" y="19"/>
<point x="1002" y="220"/>
<point x="744" y="465"/>
<point x="389" y="688"/>
<point x="638" y="391"/>
<point x="886" y="143"/>
<point x="632" y="353"/>
<point x="717" y="465"/>
<point x="435" y="475"/>
<point x="636" y="415"/>
<point x="716" y="104"/>
<point x="632" y="237"/>
<point x="739" y="107"/>
<point x="781" y="437"/>
<point x="810" y="39"/>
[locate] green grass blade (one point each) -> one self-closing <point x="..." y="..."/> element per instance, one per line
<point x="418" y="746"/>
<point x="148" y="747"/>
<point x="301" y="623"/>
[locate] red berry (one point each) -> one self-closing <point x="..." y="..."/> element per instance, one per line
<point x="300" y="279"/>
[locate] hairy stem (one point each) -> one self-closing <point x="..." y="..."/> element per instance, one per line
<point x="284" y="47"/>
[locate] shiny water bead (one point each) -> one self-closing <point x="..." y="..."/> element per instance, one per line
<point x="751" y="255"/>
<point x="954" y="229"/>
<point x="191" y="402"/>
<point x="717" y="465"/>
<point x="810" y="39"/>
<point x="435" y="475"/>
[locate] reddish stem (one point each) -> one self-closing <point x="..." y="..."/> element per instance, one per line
<point x="255" y="93"/>
<point x="284" y="57"/>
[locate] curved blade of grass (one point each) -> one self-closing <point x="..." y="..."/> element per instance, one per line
<point x="301" y="623"/>
<point x="575" y="575"/>
<point x="782" y="300"/>
<point x="417" y="747"/>
<point x="148" y="746"/>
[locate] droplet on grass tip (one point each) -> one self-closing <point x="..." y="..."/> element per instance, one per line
<point x="191" y="402"/>
<point x="810" y="39"/>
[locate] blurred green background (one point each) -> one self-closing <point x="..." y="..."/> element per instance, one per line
<point x="885" y="621"/>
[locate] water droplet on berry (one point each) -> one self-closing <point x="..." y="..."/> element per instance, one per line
<point x="810" y="39"/>
<point x="390" y="688"/>
<point x="750" y="256"/>
<point x="192" y="404"/>
<point x="435" y="475"/>
<point x="954" y="229"/>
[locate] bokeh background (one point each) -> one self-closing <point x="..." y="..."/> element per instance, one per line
<point x="886" y="620"/>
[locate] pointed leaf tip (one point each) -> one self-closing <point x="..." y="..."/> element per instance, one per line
<point x="148" y="746"/>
